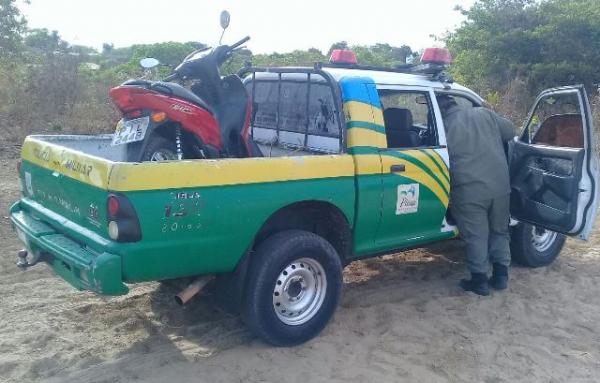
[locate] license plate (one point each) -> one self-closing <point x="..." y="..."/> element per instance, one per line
<point x="130" y="131"/>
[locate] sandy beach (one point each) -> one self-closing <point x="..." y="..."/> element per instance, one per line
<point x="402" y="318"/>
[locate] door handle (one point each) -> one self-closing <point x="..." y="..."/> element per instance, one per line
<point x="397" y="168"/>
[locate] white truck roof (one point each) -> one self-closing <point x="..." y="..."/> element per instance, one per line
<point x="380" y="77"/>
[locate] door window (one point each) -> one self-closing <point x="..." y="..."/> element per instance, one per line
<point x="408" y="118"/>
<point x="556" y="121"/>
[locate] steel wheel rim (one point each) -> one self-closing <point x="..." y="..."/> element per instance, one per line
<point x="542" y="239"/>
<point x="162" y="155"/>
<point x="299" y="291"/>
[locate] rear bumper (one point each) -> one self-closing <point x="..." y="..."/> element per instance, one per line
<point x="82" y="267"/>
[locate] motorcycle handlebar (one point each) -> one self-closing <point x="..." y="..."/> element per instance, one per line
<point x="219" y="54"/>
<point x="171" y="77"/>
<point x="242" y="41"/>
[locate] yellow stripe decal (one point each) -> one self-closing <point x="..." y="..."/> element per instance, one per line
<point x="121" y="176"/>
<point x="80" y="166"/>
<point x="432" y="154"/>
<point x="357" y="112"/>
<point x="365" y="137"/>
<point x="367" y="164"/>
<point x="438" y="158"/>
<point x="360" y="111"/>
<point x="236" y="171"/>
<point x="417" y="174"/>
<point x="428" y="162"/>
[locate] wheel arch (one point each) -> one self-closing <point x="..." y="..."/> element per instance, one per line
<point x="322" y="218"/>
<point x="319" y="217"/>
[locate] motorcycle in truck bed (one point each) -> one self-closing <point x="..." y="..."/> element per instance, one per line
<point x="350" y="162"/>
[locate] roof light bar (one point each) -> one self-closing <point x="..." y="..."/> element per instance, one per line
<point x="439" y="56"/>
<point x="343" y="56"/>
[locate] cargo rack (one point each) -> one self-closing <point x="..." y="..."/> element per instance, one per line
<point x="317" y="70"/>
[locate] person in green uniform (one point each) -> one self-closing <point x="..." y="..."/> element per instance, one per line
<point x="480" y="190"/>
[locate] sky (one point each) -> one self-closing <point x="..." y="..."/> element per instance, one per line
<point x="274" y="26"/>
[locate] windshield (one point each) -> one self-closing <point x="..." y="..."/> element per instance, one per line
<point x="198" y="54"/>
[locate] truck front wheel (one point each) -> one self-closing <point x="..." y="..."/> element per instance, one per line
<point x="532" y="246"/>
<point x="294" y="285"/>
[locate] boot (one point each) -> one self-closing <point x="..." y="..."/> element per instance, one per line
<point x="477" y="284"/>
<point x="499" y="279"/>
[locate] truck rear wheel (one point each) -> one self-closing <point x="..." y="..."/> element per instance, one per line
<point x="294" y="285"/>
<point x="535" y="247"/>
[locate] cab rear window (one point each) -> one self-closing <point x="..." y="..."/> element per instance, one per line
<point x="294" y="114"/>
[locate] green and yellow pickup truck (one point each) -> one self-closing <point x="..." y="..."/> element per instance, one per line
<point x="354" y="164"/>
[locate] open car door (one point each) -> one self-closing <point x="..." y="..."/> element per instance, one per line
<point x="554" y="164"/>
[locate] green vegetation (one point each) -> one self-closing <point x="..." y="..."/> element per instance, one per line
<point x="506" y="49"/>
<point x="509" y="50"/>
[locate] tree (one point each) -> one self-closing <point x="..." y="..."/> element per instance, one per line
<point x="545" y="43"/>
<point x="45" y="42"/>
<point x="12" y="26"/>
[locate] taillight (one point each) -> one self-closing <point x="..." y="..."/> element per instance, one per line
<point x="123" y="223"/>
<point x="113" y="230"/>
<point x="19" y="167"/>
<point x="134" y="114"/>
<point x="113" y="206"/>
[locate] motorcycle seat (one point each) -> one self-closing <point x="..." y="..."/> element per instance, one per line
<point x="176" y="90"/>
<point x="171" y="89"/>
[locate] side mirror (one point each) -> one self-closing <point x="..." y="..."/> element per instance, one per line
<point x="149" y="62"/>
<point x="225" y="18"/>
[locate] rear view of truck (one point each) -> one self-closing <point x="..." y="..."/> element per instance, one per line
<point x="66" y="216"/>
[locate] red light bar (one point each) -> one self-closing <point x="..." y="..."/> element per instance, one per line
<point x="436" y="56"/>
<point x="343" y="56"/>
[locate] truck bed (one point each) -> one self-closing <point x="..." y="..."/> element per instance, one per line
<point x="93" y="145"/>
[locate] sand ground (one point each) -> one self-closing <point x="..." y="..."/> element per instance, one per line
<point x="402" y="318"/>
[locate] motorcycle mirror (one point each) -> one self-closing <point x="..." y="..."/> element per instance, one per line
<point x="225" y="18"/>
<point x="149" y="62"/>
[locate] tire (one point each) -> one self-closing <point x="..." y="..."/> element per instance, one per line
<point x="533" y="247"/>
<point x="160" y="149"/>
<point x="291" y="270"/>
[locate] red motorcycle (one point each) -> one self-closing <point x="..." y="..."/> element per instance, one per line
<point x="163" y="120"/>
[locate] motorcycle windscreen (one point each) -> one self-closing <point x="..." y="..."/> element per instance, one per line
<point x="554" y="164"/>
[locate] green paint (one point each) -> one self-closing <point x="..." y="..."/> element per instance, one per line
<point x="404" y="230"/>
<point x="210" y="233"/>
<point x="203" y="230"/>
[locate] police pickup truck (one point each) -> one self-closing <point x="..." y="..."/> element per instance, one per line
<point x="354" y="164"/>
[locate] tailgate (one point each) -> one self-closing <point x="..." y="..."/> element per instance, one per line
<point x="67" y="182"/>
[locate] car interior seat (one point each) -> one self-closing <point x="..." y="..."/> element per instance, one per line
<point x="398" y="123"/>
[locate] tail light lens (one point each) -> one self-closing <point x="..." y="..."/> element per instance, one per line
<point x="123" y="223"/>
<point x="113" y="230"/>
<point x="113" y="206"/>
<point x="134" y="114"/>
